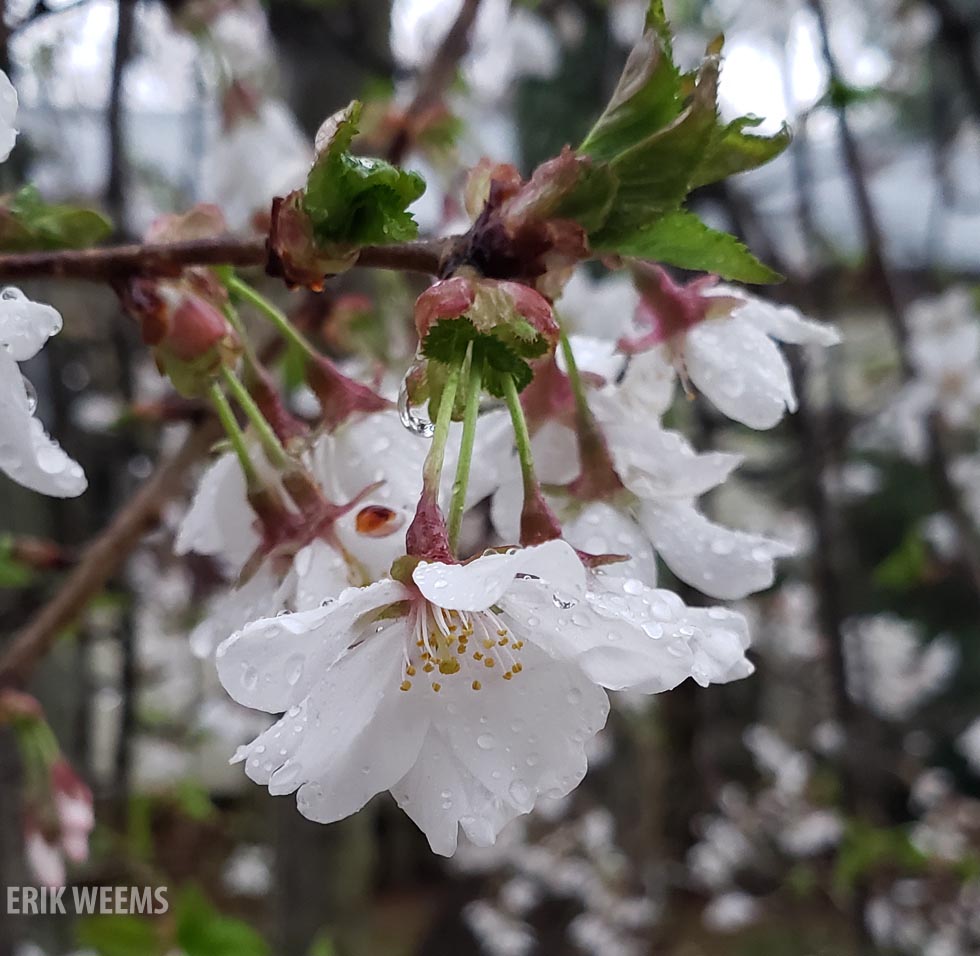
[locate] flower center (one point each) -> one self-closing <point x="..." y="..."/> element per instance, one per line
<point x="443" y="642"/>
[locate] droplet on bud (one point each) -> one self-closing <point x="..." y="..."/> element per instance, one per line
<point x="416" y="423"/>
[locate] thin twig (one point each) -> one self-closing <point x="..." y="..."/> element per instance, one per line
<point x="102" y="558"/>
<point x="438" y="75"/>
<point x="168" y="259"/>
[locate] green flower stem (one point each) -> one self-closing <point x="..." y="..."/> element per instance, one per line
<point x="432" y="470"/>
<point x="462" y="480"/>
<point x="241" y="289"/>
<point x="522" y="437"/>
<point x="235" y="435"/>
<point x="575" y="377"/>
<point x="271" y="445"/>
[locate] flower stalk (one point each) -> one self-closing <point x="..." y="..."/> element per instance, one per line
<point x="538" y="521"/>
<point x="427" y="535"/>
<point x="464" y="462"/>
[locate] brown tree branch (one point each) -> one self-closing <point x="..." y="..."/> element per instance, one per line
<point x="102" y="558"/>
<point x="168" y="259"/>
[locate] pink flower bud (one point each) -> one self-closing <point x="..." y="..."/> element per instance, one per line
<point x="196" y="327"/>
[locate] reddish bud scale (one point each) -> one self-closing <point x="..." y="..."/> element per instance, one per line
<point x="196" y="328"/>
<point x="538" y="522"/>
<point x="339" y="396"/>
<point x="262" y="388"/>
<point x="446" y="299"/>
<point x="427" y="537"/>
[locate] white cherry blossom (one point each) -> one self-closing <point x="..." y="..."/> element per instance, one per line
<point x="655" y="513"/>
<point x="468" y="692"/>
<point x="27" y="453"/>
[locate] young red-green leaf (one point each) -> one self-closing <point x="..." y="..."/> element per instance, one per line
<point x="355" y="200"/>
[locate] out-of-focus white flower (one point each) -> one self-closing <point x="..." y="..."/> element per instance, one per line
<point x="468" y="692"/>
<point x="789" y="768"/>
<point x="944" y="347"/>
<point x="248" y="871"/>
<point x="889" y="670"/>
<point x="968" y="744"/>
<point x="263" y="154"/>
<point x="27" y="453"/>
<point x="730" y="912"/>
<point x="812" y="834"/>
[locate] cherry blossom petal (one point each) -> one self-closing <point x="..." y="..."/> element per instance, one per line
<point x="232" y="609"/>
<point x="376" y="756"/>
<point x="439" y="794"/>
<point x="24" y="325"/>
<point x="719" y="561"/>
<point x="602" y="528"/>
<point x="719" y="642"/>
<point x="318" y="573"/>
<point x="480" y="583"/>
<point x="27" y="453"/>
<point x="647" y="386"/>
<point x="526" y="737"/>
<point x="273" y="663"/>
<point x="782" y="322"/>
<point x="740" y="369"/>
<point x="8" y="113"/>
<point x="653" y="461"/>
<point x="219" y="521"/>
<point x="619" y="633"/>
<point x="320" y="727"/>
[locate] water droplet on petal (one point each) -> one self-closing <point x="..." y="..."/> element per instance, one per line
<point x="486" y="741"/>
<point x="294" y="669"/>
<point x="250" y="677"/>
<point x="31" y="395"/>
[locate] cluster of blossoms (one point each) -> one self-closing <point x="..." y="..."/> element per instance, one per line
<point x="470" y="686"/>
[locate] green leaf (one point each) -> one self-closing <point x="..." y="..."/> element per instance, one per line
<point x="681" y="239"/>
<point x="736" y="151"/>
<point x="655" y="174"/>
<point x="28" y="223"/>
<point x="203" y="931"/>
<point x="119" y="936"/>
<point x="647" y="97"/>
<point x="354" y="200"/>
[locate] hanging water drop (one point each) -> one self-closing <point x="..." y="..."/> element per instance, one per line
<point x="416" y="423"/>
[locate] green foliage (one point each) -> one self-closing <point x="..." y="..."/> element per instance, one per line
<point x="203" y="931"/>
<point x="681" y="239"/>
<point x="13" y="573"/>
<point x="354" y="200"/>
<point x="28" y="223"/>
<point x="905" y="566"/>
<point x="120" y="936"/>
<point x="657" y="140"/>
<point x="866" y="848"/>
